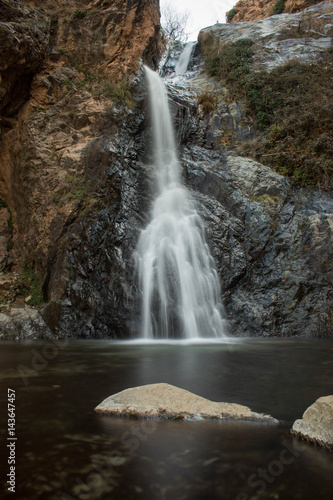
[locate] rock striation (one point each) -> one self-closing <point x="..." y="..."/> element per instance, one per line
<point x="170" y="402"/>
<point x="252" y="10"/>
<point x="317" y="423"/>
<point x="303" y="36"/>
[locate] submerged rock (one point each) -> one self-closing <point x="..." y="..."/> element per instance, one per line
<point x="170" y="402"/>
<point x="317" y="423"/>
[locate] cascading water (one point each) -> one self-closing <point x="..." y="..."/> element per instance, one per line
<point x="184" y="58"/>
<point x="178" y="279"/>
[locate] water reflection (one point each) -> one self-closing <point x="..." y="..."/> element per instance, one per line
<point x="66" y="451"/>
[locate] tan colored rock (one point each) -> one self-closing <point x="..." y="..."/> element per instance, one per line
<point x="170" y="402"/>
<point x="317" y="423"/>
<point x="252" y="10"/>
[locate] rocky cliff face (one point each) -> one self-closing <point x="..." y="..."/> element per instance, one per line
<point x="301" y="37"/>
<point x="276" y="266"/>
<point x="75" y="177"/>
<point x="252" y="10"/>
<point x="67" y="72"/>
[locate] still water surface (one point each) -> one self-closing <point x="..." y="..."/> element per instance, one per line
<point x="64" y="451"/>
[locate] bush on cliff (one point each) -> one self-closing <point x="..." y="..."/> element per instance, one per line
<point x="279" y="7"/>
<point x="292" y="106"/>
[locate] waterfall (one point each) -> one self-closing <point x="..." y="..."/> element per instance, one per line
<point x="184" y="59"/>
<point x="178" y="279"/>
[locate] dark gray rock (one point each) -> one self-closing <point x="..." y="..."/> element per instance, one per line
<point x="272" y="243"/>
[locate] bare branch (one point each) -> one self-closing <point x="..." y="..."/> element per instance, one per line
<point x="174" y="23"/>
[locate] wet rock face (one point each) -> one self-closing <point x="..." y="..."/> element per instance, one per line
<point x="272" y="244"/>
<point x="70" y="153"/>
<point x="91" y="283"/>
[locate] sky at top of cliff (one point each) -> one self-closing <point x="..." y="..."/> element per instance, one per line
<point x="202" y="13"/>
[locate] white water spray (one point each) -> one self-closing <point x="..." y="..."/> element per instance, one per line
<point x="178" y="279"/>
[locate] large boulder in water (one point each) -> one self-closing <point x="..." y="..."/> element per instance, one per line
<point x="170" y="402"/>
<point x="317" y="423"/>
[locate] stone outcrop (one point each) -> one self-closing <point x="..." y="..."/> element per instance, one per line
<point x="23" y="323"/>
<point x="317" y="423"/>
<point x="303" y="36"/>
<point x="170" y="402"/>
<point x="252" y="10"/>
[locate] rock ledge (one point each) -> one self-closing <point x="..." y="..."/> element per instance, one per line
<point x="169" y="402"/>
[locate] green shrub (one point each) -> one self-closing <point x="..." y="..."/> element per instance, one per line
<point x="29" y="284"/>
<point x="80" y="14"/>
<point x="231" y="14"/>
<point x="279" y="7"/>
<point x="119" y="92"/>
<point x="78" y="186"/>
<point x="292" y="106"/>
<point x="230" y="62"/>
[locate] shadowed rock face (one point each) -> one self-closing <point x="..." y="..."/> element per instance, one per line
<point x="317" y="423"/>
<point x="24" y="37"/>
<point x="170" y="402"/>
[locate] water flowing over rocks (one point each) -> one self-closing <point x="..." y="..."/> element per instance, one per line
<point x="76" y="178"/>
<point x="317" y="423"/>
<point x="169" y="402"/>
